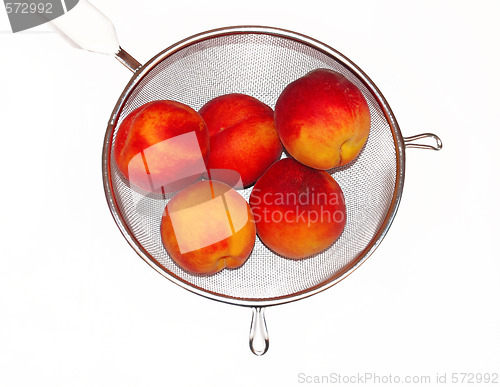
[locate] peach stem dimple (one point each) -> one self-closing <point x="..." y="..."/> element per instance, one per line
<point x="222" y="262"/>
<point x="340" y="150"/>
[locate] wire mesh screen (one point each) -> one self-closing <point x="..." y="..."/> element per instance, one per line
<point x="261" y="65"/>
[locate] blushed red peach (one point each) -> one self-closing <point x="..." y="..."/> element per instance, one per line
<point x="322" y="119"/>
<point x="298" y="211"/>
<point x="162" y="146"/>
<point x="207" y="227"/>
<point x="242" y="137"/>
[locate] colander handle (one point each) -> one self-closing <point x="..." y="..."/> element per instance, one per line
<point x="91" y="30"/>
<point x="259" y="337"/>
<point x="410" y="142"/>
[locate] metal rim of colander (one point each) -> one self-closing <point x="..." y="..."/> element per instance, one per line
<point x="141" y="72"/>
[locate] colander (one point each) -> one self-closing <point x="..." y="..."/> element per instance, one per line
<point x="258" y="61"/>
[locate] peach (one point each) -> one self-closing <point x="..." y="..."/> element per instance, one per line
<point x="298" y="211"/>
<point x="322" y="119"/>
<point x="207" y="227"/>
<point x="162" y="146"/>
<point x="242" y="137"/>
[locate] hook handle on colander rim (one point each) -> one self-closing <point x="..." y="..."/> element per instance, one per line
<point x="91" y="30"/>
<point x="410" y="141"/>
<point x="259" y="337"/>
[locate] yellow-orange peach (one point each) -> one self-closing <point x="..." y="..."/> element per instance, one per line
<point x="298" y="211"/>
<point x="322" y="119"/>
<point x="162" y="146"/>
<point x="243" y="138"/>
<point x="207" y="227"/>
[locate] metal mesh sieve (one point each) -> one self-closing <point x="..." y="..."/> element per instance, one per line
<point x="259" y="62"/>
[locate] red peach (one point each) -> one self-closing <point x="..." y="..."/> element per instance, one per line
<point x="242" y="137"/>
<point x="322" y="119"/>
<point x="207" y="227"/>
<point x="298" y="211"/>
<point x="162" y="146"/>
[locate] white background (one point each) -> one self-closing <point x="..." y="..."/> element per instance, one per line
<point x="79" y="308"/>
